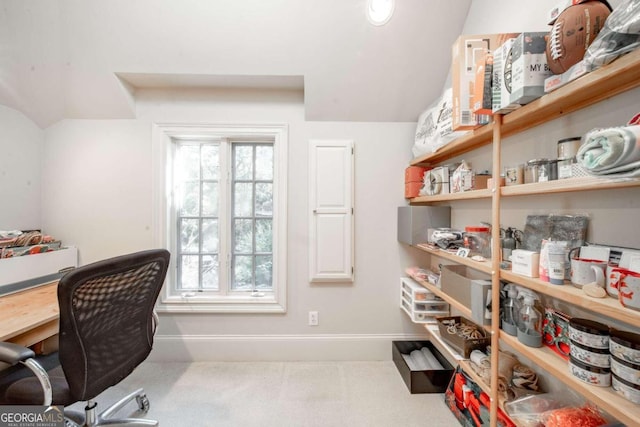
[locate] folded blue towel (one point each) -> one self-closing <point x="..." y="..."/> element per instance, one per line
<point x="611" y="151"/>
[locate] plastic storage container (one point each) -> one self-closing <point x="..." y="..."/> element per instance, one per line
<point x="510" y="313"/>
<point x="530" y="324"/>
<point x="478" y="240"/>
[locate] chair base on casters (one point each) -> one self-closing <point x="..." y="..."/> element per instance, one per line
<point x="91" y="418"/>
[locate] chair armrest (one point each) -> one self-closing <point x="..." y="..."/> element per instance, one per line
<point x="13" y="353"/>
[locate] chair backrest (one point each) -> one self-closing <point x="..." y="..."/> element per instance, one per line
<point x="106" y="319"/>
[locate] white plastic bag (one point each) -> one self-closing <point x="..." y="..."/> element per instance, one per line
<point x="620" y="35"/>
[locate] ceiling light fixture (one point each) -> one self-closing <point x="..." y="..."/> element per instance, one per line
<point x="379" y="11"/>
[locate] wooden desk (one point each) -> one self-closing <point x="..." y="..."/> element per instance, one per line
<point x="30" y="316"/>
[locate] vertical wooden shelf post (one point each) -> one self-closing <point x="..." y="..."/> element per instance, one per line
<point x="496" y="257"/>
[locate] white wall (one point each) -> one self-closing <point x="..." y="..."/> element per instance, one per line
<point x="96" y="193"/>
<point x="20" y="169"/>
<point x="97" y="180"/>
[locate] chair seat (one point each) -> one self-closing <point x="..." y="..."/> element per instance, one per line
<point x="28" y="390"/>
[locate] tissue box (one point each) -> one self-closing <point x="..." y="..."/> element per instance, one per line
<point x="525" y="262"/>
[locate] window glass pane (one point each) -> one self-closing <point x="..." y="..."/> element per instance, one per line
<point x="243" y="162"/>
<point x="243" y="199"/>
<point x="189" y="272"/>
<point x="242" y="273"/>
<point x="264" y="235"/>
<point x="210" y="272"/>
<point x="264" y="199"/>
<point x="264" y="162"/>
<point x="264" y="271"/>
<point x="243" y="236"/>
<point x="188" y="163"/>
<point x="189" y="235"/>
<point x="210" y="198"/>
<point x="210" y="162"/>
<point x="190" y="198"/>
<point x="210" y="237"/>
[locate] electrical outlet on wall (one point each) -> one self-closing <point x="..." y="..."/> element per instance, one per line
<point x="313" y="318"/>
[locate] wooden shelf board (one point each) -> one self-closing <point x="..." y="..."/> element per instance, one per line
<point x="465" y="195"/>
<point x="606" y="82"/>
<point x="469" y="142"/>
<point x="619" y="76"/>
<point x="443" y="347"/>
<point x="606" y="306"/>
<point x="484" y="266"/>
<point x="452" y="354"/>
<point x="590" y="183"/>
<point x="604" y="397"/>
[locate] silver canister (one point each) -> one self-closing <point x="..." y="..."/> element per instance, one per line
<point x="568" y="147"/>
<point x="541" y="170"/>
<point x="567" y="150"/>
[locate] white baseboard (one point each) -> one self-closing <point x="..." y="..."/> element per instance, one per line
<point x="236" y="348"/>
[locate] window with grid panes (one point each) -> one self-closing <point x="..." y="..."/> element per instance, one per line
<point x="226" y="227"/>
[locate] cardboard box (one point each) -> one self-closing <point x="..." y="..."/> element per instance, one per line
<point x="429" y="381"/>
<point x="501" y="84"/>
<point x="463" y="345"/>
<point x="467" y="51"/>
<point x="456" y="280"/>
<point x="525" y="262"/>
<point x="529" y="68"/>
<point x="482" y="96"/>
<point x="414" y="222"/>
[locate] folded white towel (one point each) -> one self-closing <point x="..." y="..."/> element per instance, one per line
<point x="611" y="151"/>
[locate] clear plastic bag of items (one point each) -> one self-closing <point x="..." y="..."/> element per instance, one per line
<point x="620" y="35"/>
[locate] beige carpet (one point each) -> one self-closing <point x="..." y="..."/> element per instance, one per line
<point x="280" y="394"/>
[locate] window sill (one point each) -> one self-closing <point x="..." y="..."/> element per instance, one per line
<point x="220" y="305"/>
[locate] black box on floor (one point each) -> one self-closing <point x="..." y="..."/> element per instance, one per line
<point x="429" y="381"/>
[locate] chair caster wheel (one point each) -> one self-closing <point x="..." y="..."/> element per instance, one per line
<point x="143" y="402"/>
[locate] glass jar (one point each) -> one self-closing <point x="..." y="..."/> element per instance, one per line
<point x="478" y="240"/>
<point x="541" y="170"/>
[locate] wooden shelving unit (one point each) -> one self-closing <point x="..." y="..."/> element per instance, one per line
<point x="484" y="266"/>
<point x="606" y="306"/>
<point x="590" y="183"/>
<point x="606" y="82"/>
<point x="466" y="195"/>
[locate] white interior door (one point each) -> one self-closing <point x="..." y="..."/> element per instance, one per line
<point x="331" y="210"/>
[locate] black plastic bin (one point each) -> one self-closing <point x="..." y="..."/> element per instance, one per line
<point x="430" y="381"/>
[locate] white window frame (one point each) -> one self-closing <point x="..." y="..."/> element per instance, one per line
<point x="162" y="136"/>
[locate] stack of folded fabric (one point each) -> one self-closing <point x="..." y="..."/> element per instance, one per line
<point x="611" y="151"/>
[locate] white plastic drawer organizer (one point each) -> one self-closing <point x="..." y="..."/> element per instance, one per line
<point x="420" y="305"/>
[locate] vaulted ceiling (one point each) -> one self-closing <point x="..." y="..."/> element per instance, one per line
<point x="85" y="59"/>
